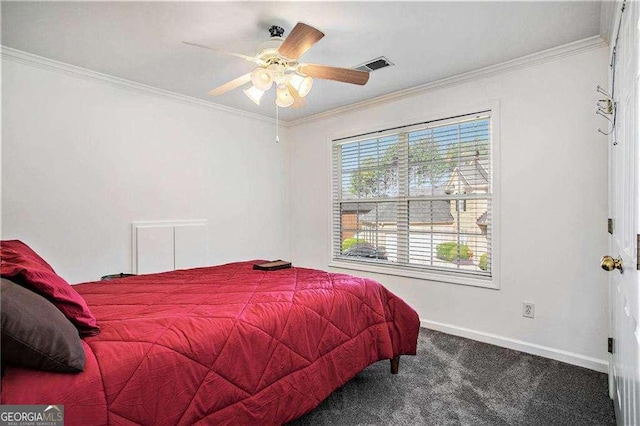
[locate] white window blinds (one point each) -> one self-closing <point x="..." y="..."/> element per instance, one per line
<point x="416" y="197"/>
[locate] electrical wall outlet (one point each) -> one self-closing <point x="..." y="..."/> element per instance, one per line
<point x="528" y="309"/>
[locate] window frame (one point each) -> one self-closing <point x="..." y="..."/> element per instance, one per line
<point x="492" y="282"/>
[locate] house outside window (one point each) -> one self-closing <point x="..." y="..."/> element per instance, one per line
<point x="416" y="198"/>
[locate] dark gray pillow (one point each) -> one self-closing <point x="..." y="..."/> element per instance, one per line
<point x="36" y="334"/>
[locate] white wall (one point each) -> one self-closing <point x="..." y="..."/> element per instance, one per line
<point x="553" y="209"/>
<point x="81" y="160"/>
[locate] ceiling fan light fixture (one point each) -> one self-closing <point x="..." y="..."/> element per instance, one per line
<point x="283" y="97"/>
<point x="254" y="94"/>
<point x="301" y="84"/>
<point x="262" y="78"/>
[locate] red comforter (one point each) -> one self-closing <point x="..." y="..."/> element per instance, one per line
<point x="221" y="345"/>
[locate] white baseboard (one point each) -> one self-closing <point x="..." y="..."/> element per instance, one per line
<point x="518" y="345"/>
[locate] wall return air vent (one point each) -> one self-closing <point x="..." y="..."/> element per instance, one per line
<point x="374" y="64"/>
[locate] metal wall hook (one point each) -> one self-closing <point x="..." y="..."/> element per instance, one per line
<point x="604" y="92"/>
<point x="604" y="112"/>
<point x="604" y="115"/>
<point x="606" y="108"/>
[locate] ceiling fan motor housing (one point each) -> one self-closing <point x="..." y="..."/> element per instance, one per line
<point x="269" y="49"/>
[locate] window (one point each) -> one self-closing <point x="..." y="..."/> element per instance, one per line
<point x="416" y="198"/>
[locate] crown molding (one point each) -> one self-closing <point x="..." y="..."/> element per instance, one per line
<point x="608" y="14"/>
<point x="533" y="59"/>
<point x="554" y="53"/>
<point x="47" y="64"/>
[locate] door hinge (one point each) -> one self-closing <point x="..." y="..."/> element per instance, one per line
<point x="610" y="345"/>
<point x="610" y="226"/>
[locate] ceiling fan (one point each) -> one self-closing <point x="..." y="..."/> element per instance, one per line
<point x="277" y="64"/>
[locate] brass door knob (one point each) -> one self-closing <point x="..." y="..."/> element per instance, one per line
<point x="608" y="263"/>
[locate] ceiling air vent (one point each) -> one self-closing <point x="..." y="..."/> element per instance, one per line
<point x="374" y="64"/>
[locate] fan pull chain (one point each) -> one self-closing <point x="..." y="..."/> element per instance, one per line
<point x="277" y="125"/>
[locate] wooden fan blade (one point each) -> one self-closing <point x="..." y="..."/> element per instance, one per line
<point x="230" y="85"/>
<point x="224" y="52"/>
<point x="301" y="38"/>
<point x="298" y="101"/>
<point x="345" y="75"/>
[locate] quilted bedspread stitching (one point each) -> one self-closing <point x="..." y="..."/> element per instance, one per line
<point x="154" y="310"/>
<point x="142" y="359"/>
<point x="286" y="322"/>
<point x="267" y="388"/>
<point x="217" y="358"/>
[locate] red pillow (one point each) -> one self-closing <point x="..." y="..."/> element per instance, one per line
<point x="23" y="266"/>
<point x="16" y="249"/>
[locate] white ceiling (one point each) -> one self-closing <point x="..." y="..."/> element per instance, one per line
<point x="427" y="41"/>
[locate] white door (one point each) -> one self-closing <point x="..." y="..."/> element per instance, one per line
<point x="624" y="197"/>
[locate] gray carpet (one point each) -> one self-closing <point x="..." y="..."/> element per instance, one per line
<point x="457" y="381"/>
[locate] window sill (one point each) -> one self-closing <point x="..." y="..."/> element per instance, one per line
<point x="427" y="276"/>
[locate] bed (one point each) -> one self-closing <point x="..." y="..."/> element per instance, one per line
<point x="221" y="345"/>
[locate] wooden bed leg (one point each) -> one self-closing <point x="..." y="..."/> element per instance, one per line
<point x="395" y="364"/>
